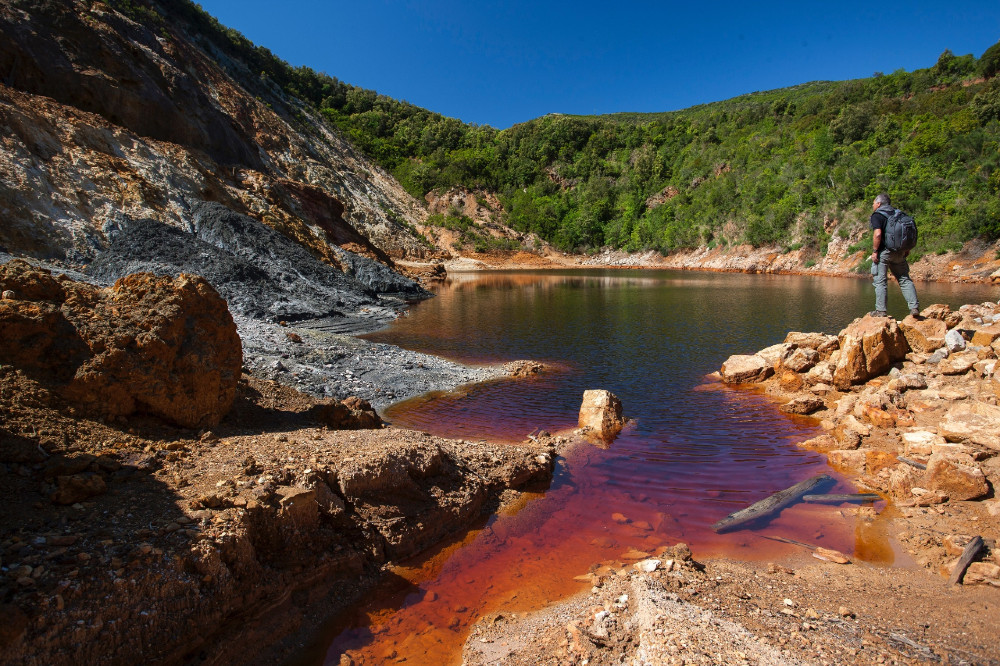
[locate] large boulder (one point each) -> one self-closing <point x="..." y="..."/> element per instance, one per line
<point x="868" y="347"/>
<point x="601" y="411"/>
<point x="157" y="345"/>
<point x="984" y="337"/>
<point x="801" y="360"/>
<point x="956" y="475"/>
<point x="924" y="335"/>
<point x="977" y="422"/>
<point x="820" y="342"/>
<point x="746" y="368"/>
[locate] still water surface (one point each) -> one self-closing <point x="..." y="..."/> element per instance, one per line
<point x="696" y="451"/>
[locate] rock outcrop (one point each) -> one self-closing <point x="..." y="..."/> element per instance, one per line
<point x="868" y="346"/>
<point x="143" y="109"/>
<point x="156" y="345"/>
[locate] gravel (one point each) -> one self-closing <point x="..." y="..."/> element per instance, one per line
<point x="328" y="363"/>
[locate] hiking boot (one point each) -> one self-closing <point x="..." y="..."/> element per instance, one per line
<point x="915" y="313"/>
<point x="878" y="313"/>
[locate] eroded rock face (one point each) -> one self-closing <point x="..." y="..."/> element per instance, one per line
<point x="156" y="345"/>
<point x="868" y="347"/>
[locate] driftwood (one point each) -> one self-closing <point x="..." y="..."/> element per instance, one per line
<point x="819" y="552"/>
<point x="837" y="498"/>
<point x="971" y="551"/>
<point x="912" y="463"/>
<point x="769" y="505"/>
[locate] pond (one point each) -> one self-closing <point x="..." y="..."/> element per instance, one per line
<point x="695" y="451"/>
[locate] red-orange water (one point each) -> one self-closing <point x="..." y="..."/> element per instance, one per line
<point x="696" y="451"/>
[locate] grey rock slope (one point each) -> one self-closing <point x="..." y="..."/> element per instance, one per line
<point x="259" y="272"/>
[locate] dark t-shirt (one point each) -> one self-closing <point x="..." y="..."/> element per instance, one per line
<point x="878" y="221"/>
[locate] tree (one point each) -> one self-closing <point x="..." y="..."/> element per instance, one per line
<point x="989" y="62"/>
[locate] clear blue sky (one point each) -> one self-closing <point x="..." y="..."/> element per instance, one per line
<point x="504" y="63"/>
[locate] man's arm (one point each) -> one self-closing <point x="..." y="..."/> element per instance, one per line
<point x="876" y="242"/>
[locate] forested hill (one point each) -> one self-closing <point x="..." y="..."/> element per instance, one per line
<point x="768" y="168"/>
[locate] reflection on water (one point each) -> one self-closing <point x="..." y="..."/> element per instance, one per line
<point x="693" y="454"/>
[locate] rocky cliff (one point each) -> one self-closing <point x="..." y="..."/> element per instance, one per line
<point x="102" y="115"/>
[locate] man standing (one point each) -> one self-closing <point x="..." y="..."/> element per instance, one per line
<point x="884" y="260"/>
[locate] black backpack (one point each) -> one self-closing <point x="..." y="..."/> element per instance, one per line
<point x="900" y="233"/>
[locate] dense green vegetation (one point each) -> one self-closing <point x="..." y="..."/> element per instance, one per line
<point x="768" y="168"/>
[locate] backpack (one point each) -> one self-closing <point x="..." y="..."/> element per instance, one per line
<point x="900" y="233"/>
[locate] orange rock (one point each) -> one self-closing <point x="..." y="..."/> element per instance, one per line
<point x="790" y="381"/>
<point x="956" y="475"/>
<point x="984" y="337"/>
<point x="352" y="413"/>
<point x="924" y="336"/>
<point x="847" y="461"/>
<point x="868" y="346"/>
<point x="875" y="461"/>
<point x="876" y="416"/>
<point x="602" y="411"/>
<point x="158" y="345"/>
<point x="746" y="368"/>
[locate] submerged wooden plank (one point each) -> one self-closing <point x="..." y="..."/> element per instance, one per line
<point x="769" y="505"/>
<point x="837" y="498"/>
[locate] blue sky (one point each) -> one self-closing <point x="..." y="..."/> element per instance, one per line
<point x="505" y="63"/>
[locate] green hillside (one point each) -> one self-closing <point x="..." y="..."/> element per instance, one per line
<point x="764" y="168"/>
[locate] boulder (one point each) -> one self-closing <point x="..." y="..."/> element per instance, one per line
<point x="982" y="572"/>
<point x="746" y="368"/>
<point x="790" y="381"/>
<point x="821" y="373"/>
<point x="820" y="342"/>
<point x="776" y="353"/>
<point x="601" y="411"/>
<point x="942" y="312"/>
<point x="957" y="364"/>
<point x="868" y="347"/>
<point x="803" y="405"/>
<point x="924" y="336"/>
<point x="901" y="481"/>
<point x="954" y="341"/>
<point x="801" y="360"/>
<point x="157" y="345"/>
<point x="956" y="475"/>
<point x="975" y="421"/>
<point x="349" y="414"/>
<point x="984" y="337"/>
<point x="920" y="442"/>
<point x="847" y="461"/>
<point x="822" y="443"/>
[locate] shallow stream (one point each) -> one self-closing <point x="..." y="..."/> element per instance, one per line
<point x="695" y="451"/>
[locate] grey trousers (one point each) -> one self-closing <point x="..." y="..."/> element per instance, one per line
<point x="895" y="262"/>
